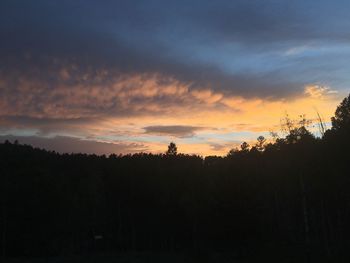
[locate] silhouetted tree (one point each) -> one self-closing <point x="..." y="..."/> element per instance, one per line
<point x="245" y="147"/>
<point x="299" y="134"/>
<point x="172" y="149"/>
<point x="341" y="120"/>
<point x="260" y="145"/>
<point x="232" y="152"/>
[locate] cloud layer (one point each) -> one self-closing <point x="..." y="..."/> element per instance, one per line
<point x="245" y="48"/>
<point x="130" y="72"/>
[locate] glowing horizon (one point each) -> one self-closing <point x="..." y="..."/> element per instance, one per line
<point x="202" y="122"/>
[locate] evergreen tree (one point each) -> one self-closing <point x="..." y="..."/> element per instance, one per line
<point x="172" y="149"/>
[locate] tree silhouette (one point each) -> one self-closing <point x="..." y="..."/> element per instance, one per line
<point x="299" y="134"/>
<point x="260" y="145"/>
<point x="232" y="152"/>
<point x="245" y="147"/>
<point x="172" y="149"/>
<point x="341" y="120"/>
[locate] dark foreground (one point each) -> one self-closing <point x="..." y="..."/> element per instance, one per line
<point x="172" y="257"/>
<point x="287" y="201"/>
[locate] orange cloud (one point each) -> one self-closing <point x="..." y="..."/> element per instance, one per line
<point x="118" y="110"/>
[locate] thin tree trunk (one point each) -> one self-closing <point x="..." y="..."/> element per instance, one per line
<point x="194" y="233"/>
<point x="325" y="229"/>
<point x="305" y="217"/>
<point x="4" y="219"/>
<point x="120" y="224"/>
<point x="276" y="213"/>
<point x="4" y="230"/>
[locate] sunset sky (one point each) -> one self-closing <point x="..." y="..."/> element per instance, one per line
<point x="129" y="76"/>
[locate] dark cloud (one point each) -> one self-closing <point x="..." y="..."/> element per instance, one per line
<point x="64" y="144"/>
<point x="173" y="130"/>
<point x="44" y="126"/>
<point x="166" y="38"/>
<point x="266" y="23"/>
<point x="223" y="146"/>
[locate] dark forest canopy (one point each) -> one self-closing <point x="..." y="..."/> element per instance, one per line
<point x="287" y="199"/>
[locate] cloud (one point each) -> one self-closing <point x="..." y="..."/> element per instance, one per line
<point x="64" y="144"/>
<point x="173" y="130"/>
<point x="46" y="125"/>
<point x="319" y="91"/>
<point x="122" y="96"/>
<point x="222" y="147"/>
<point x="221" y="45"/>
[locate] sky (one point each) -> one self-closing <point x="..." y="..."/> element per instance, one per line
<point x="131" y="76"/>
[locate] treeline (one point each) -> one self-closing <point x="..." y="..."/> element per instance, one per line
<point x="287" y="198"/>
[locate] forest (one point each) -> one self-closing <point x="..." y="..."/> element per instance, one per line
<point x="284" y="199"/>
